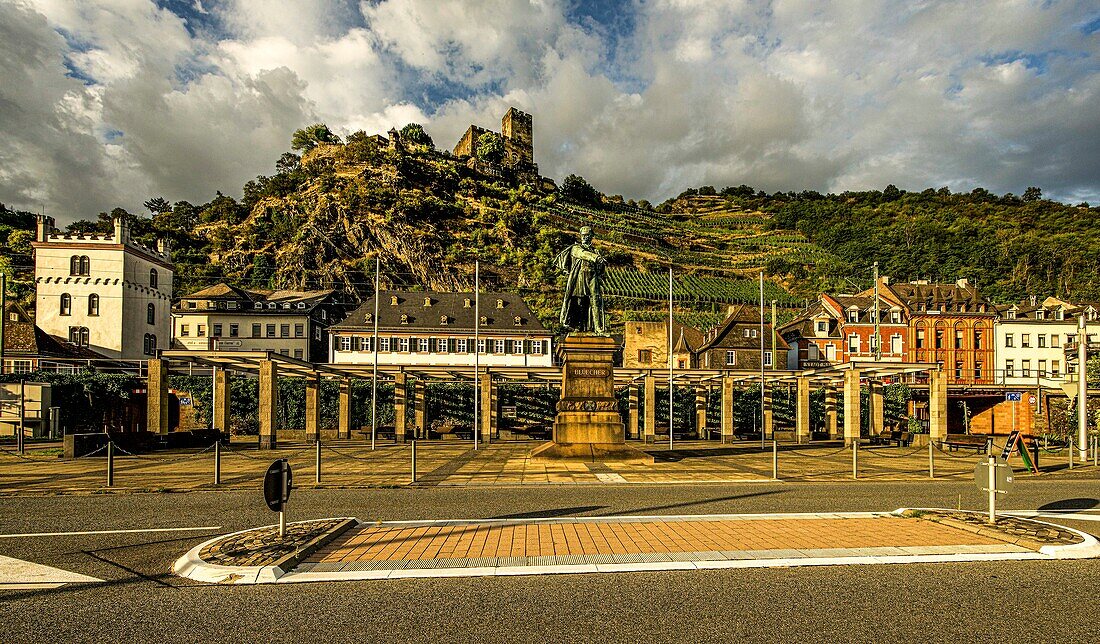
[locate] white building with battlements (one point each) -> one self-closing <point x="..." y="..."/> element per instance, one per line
<point x="104" y="292"/>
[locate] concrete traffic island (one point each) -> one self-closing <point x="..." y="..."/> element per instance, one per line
<point x="588" y="426"/>
<point x="347" y="549"/>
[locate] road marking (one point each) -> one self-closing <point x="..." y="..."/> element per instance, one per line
<point x="19" y="574"/>
<point x="65" y="534"/>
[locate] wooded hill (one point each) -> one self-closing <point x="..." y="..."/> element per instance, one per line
<point x="321" y="219"/>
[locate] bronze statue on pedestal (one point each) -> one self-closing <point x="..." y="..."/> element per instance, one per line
<point x="582" y="308"/>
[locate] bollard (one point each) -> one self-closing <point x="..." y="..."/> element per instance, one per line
<point x="931" y="459"/>
<point x="855" y="459"/>
<point x="775" y="460"/>
<point x="317" y="462"/>
<point x="217" y="462"/>
<point x="1095" y="447"/>
<point x="413" y="461"/>
<point x="1070" y="446"/>
<point x="110" y="464"/>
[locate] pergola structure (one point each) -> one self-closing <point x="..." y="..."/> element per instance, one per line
<point x="641" y="383"/>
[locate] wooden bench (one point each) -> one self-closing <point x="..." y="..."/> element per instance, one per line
<point x="967" y="441"/>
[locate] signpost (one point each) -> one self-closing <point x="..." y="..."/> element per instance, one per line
<point x="277" y="486"/>
<point x="994" y="478"/>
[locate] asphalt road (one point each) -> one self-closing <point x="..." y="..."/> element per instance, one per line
<point x="142" y="601"/>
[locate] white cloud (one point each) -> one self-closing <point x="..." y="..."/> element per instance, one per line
<point x="788" y="94"/>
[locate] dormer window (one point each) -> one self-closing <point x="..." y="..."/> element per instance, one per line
<point x="517" y="320"/>
<point x="895" y="317"/>
<point x="466" y="303"/>
<point x="231" y="305"/>
<point x="822" y="326"/>
<point x="500" y="304"/>
<point x="1011" y="315"/>
<point x="369" y="318"/>
<point x="484" y="320"/>
<point x="301" y="305"/>
<point x="427" y="301"/>
<point x="404" y="318"/>
<point x="286" y="306"/>
<point x="853" y="315"/>
<point x="1060" y="314"/>
<point x="393" y="300"/>
<point x="271" y="305"/>
<point x="443" y="319"/>
<point x="258" y="305"/>
<point x="1040" y="314"/>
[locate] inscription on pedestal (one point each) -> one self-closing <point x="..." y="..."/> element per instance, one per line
<point x="588" y="405"/>
<point x="588" y="372"/>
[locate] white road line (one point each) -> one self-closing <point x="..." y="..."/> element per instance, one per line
<point x="64" y="534"/>
<point x="20" y="574"/>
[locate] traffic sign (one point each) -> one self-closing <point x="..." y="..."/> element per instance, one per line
<point x="1013" y="396"/>
<point x="277" y="485"/>
<point x="1003" y="473"/>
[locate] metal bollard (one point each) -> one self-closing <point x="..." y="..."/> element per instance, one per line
<point x="1070" y="446"/>
<point x="317" y="462"/>
<point x="855" y="459"/>
<point x="931" y="459"/>
<point x="414" y="460"/>
<point x="217" y="462"/>
<point x="1095" y="447"/>
<point x="110" y="463"/>
<point x="775" y="460"/>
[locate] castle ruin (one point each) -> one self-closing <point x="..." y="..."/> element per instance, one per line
<point x="515" y="131"/>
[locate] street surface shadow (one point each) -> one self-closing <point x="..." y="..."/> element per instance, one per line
<point x="546" y="514"/>
<point x="686" y="504"/>
<point x="1071" y="504"/>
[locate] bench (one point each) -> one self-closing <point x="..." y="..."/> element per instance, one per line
<point x="892" y="437"/>
<point x="967" y="441"/>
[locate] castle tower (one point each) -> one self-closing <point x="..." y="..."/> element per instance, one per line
<point x="516" y="129"/>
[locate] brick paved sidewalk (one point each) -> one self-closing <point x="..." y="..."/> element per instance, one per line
<point x="552" y="542"/>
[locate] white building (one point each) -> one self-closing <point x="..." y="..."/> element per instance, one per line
<point x="437" y="329"/>
<point x="1031" y="340"/>
<point x="106" y="293"/>
<point x="292" y="323"/>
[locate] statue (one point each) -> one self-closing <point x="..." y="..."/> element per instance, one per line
<point x="582" y="307"/>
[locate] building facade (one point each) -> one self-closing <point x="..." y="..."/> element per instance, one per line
<point x="106" y="293"/>
<point x="842" y="328"/>
<point x="1032" y="336"/>
<point x="437" y="329"/>
<point x="732" y="344"/>
<point x="292" y="323"/>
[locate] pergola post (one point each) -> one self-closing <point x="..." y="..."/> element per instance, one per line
<point x="701" y="412"/>
<point x="313" y="408"/>
<point x="400" y="379"/>
<point x="343" y="417"/>
<point x="851" y="406"/>
<point x="650" y="403"/>
<point x="156" y="409"/>
<point x="878" y="418"/>
<point x="937" y="406"/>
<point x="769" y="416"/>
<point x="830" y="412"/>
<point x="632" y="410"/>
<point x="489" y="409"/>
<point x="222" y="395"/>
<point x="727" y="408"/>
<point x="802" y="411"/>
<point x="269" y="401"/>
<point x="420" y="408"/>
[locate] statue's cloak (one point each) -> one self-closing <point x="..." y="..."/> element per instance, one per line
<point x="584" y="269"/>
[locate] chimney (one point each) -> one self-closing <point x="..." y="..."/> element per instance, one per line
<point x="1034" y="300"/>
<point x="963" y="283"/>
<point x="44" y="227"/>
<point x="122" y="230"/>
<point x="164" y="246"/>
<point x="885" y="280"/>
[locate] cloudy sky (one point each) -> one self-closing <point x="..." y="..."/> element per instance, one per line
<point x="105" y="103"/>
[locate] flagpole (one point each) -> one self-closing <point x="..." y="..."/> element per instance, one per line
<point x="374" y="373"/>
<point x="761" y="359"/>
<point x="477" y="348"/>
<point x="670" y="361"/>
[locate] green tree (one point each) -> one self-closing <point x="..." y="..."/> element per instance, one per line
<point x="1033" y="194"/>
<point x="490" y="148"/>
<point x="157" y="205"/>
<point x="414" y="133"/>
<point x="576" y="189"/>
<point x="308" y="137"/>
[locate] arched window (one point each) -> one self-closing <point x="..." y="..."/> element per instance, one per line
<point x="79" y="265"/>
<point x="150" y="345"/>
<point x="93" y="304"/>
<point x="66" y="304"/>
<point x="152" y="278"/>
<point x="78" y="335"/>
<point x="151" y="314"/>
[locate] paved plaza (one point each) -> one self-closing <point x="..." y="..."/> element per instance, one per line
<point x="353" y="464"/>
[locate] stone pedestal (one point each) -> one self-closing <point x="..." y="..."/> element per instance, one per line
<point x="588" y="425"/>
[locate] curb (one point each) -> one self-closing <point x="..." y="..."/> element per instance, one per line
<point x="1088" y="548"/>
<point x="193" y="567"/>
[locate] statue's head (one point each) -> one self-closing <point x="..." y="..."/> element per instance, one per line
<point x="586" y="234"/>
